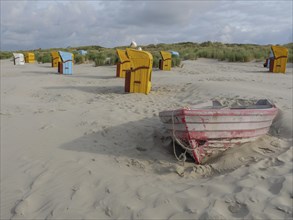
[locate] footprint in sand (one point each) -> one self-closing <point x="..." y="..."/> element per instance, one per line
<point x="23" y="205"/>
<point x="39" y="111"/>
<point x="20" y="208"/>
<point x="276" y="185"/>
<point x="211" y="214"/>
<point x="105" y="131"/>
<point x="74" y="189"/>
<point x="238" y="210"/>
<point x="270" y="162"/>
<point x="45" y="127"/>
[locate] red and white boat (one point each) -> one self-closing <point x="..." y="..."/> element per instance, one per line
<point x="203" y="130"/>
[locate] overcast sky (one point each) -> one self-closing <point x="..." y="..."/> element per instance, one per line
<point x="45" y="24"/>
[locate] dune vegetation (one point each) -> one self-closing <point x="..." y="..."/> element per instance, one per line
<point x="187" y="50"/>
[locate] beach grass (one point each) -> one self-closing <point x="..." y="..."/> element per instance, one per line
<point x="188" y="51"/>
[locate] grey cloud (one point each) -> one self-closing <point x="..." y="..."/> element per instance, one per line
<point x="34" y="24"/>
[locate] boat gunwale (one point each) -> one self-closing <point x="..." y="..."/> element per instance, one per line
<point x="227" y="122"/>
<point x="219" y="112"/>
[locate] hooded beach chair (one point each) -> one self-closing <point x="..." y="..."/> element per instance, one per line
<point x="82" y="52"/>
<point x="18" y="59"/>
<point x="65" y="65"/>
<point x="174" y="53"/>
<point x="55" y="58"/>
<point x="29" y="57"/>
<point x="166" y="62"/>
<point x="138" y="78"/>
<point x="278" y="59"/>
<point x="123" y="65"/>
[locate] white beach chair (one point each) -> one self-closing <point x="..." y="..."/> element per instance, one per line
<point x="18" y="59"/>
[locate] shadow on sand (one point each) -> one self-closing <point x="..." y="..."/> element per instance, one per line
<point x="92" y="89"/>
<point x="142" y="141"/>
<point x="47" y="66"/>
<point x="41" y="72"/>
<point x="94" y="77"/>
<point x="260" y="71"/>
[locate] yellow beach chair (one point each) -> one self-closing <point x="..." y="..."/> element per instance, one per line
<point x="166" y="62"/>
<point x="29" y="57"/>
<point x="138" y="78"/>
<point x="123" y="65"/>
<point x="279" y="60"/>
<point x="55" y="58"/>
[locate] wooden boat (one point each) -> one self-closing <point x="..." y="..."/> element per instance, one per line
<point x="203" y="130"/>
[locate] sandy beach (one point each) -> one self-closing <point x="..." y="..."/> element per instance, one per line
<point x="78" y="147"/>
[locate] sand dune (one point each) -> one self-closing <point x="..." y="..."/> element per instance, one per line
<point x="78" y="147"/>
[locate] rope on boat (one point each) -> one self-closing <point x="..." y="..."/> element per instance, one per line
<point x="182" y="156"/>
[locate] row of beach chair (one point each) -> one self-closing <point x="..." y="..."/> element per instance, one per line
<point x="60" y="59"/>
<point x="136" y="65"/>
<point x="20" y="59"/>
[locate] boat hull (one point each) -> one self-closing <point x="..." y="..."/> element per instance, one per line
<point x="198" y="128"/>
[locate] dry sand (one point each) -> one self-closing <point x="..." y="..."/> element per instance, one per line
<point x="78" y="147"/>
